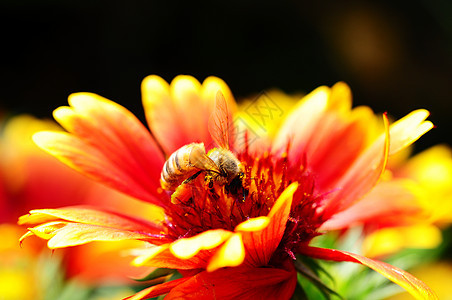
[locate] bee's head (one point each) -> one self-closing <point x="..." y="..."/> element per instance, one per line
<point x="228" y="164"/>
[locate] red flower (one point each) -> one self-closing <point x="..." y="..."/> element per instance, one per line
<point x="231" y="235"/>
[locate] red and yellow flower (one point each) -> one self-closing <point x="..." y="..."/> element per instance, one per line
<point x="227" y="243"/>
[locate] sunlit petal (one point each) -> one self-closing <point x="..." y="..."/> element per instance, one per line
<point x="238" y="283"/>
<point x="106" y="136"/>
<point x="189" y="247"/>
<point x="361" y="176"/>
<point x="230" y="254"/>
<point x="184" y="101"/>
<point x="261" y="244"/>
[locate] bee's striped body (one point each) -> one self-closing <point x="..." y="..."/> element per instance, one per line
<point x="222" y="165"/>
<point x="183" y="163"/>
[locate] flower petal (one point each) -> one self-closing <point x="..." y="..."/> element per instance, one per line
<point x="320" y="127"/>
<point x="407" y="130"/>
<point x="149" y="254"/>
<point x="230" y="254"/>
<point x="178" y="114"/>
<point x="238" y="283"/>
<point x="87" y="160"/>
<point x="300" y="124"/>
<point x="362" y="176"/>
<point x="90" y="225"/>
<point x="161" y="257"/>
<point x="338" y="141"/>
<point x="89" y="216"/>
<point x="261" y="244"/>
<point x="188" y="247"/>
<point x="414" y="286"/>
<point x="253" y="224"/>
<point x="106" y="136"/>
<point x="64" y="234"/>
<point x="389" y="203"/>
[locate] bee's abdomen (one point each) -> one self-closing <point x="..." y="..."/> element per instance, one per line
<point x="178" y="167"/>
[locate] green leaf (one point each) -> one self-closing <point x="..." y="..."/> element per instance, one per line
<point x="157" y="273"/>
<point x="299" y="293"/>
<point x="308" y="273"/>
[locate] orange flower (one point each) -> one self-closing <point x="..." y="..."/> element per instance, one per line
<point x="233" y="223"/>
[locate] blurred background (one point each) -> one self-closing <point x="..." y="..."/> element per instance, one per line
<point x="396" y="57"/>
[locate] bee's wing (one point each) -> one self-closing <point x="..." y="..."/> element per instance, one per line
<point x="220" y="122"/>
<point x="199" y="159"/>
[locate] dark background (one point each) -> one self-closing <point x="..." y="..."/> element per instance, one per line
<point x="396" y="55"/>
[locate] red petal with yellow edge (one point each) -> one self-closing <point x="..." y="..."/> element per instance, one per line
<point x="230" y="254"/>
<point x="178" y="114"/>
<point x="367" y="169"/>
<point x="89" y="216"/>
<point x="157" y="290"/>
<point x="88" y="160"/>
<point x="63" y="234"/>
<point x="77" y="234"/>
<point x="110" y="134"/>
<point x="165" y="259"/>
<point x="238" y="283"/>
<point x="407" y="130"/>
<point x="323" y="130"/>
<point x="414" y="286"/>
<point x="301" y="123"/>
<point x="337" y="143"/>
<point x="362" y="176"/>
<point x="261" y="244"/>
<point x="389" y="203"/>
<point x="185" y="248"/>
<point x="92" y="225"/>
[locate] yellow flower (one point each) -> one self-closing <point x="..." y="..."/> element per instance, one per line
<point x="437" y="275"/>
<point x="16" y="266"/>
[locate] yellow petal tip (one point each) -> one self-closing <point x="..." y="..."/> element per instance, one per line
<point x="188" y="247"/>
<point x="231" y="254"/>
<point x="254" y="224"/>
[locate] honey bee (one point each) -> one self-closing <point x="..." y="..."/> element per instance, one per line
<point x="190" y="160"/>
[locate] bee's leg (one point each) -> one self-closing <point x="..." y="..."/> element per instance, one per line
<point x="192" y="177"/>
<point x="209" y="181"/>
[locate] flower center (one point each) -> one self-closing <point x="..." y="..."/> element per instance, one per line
<point x="203" y="203"/>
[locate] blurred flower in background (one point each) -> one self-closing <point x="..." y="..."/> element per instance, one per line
<point x="215" y="235"/>
<point x="30" y="178"/>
